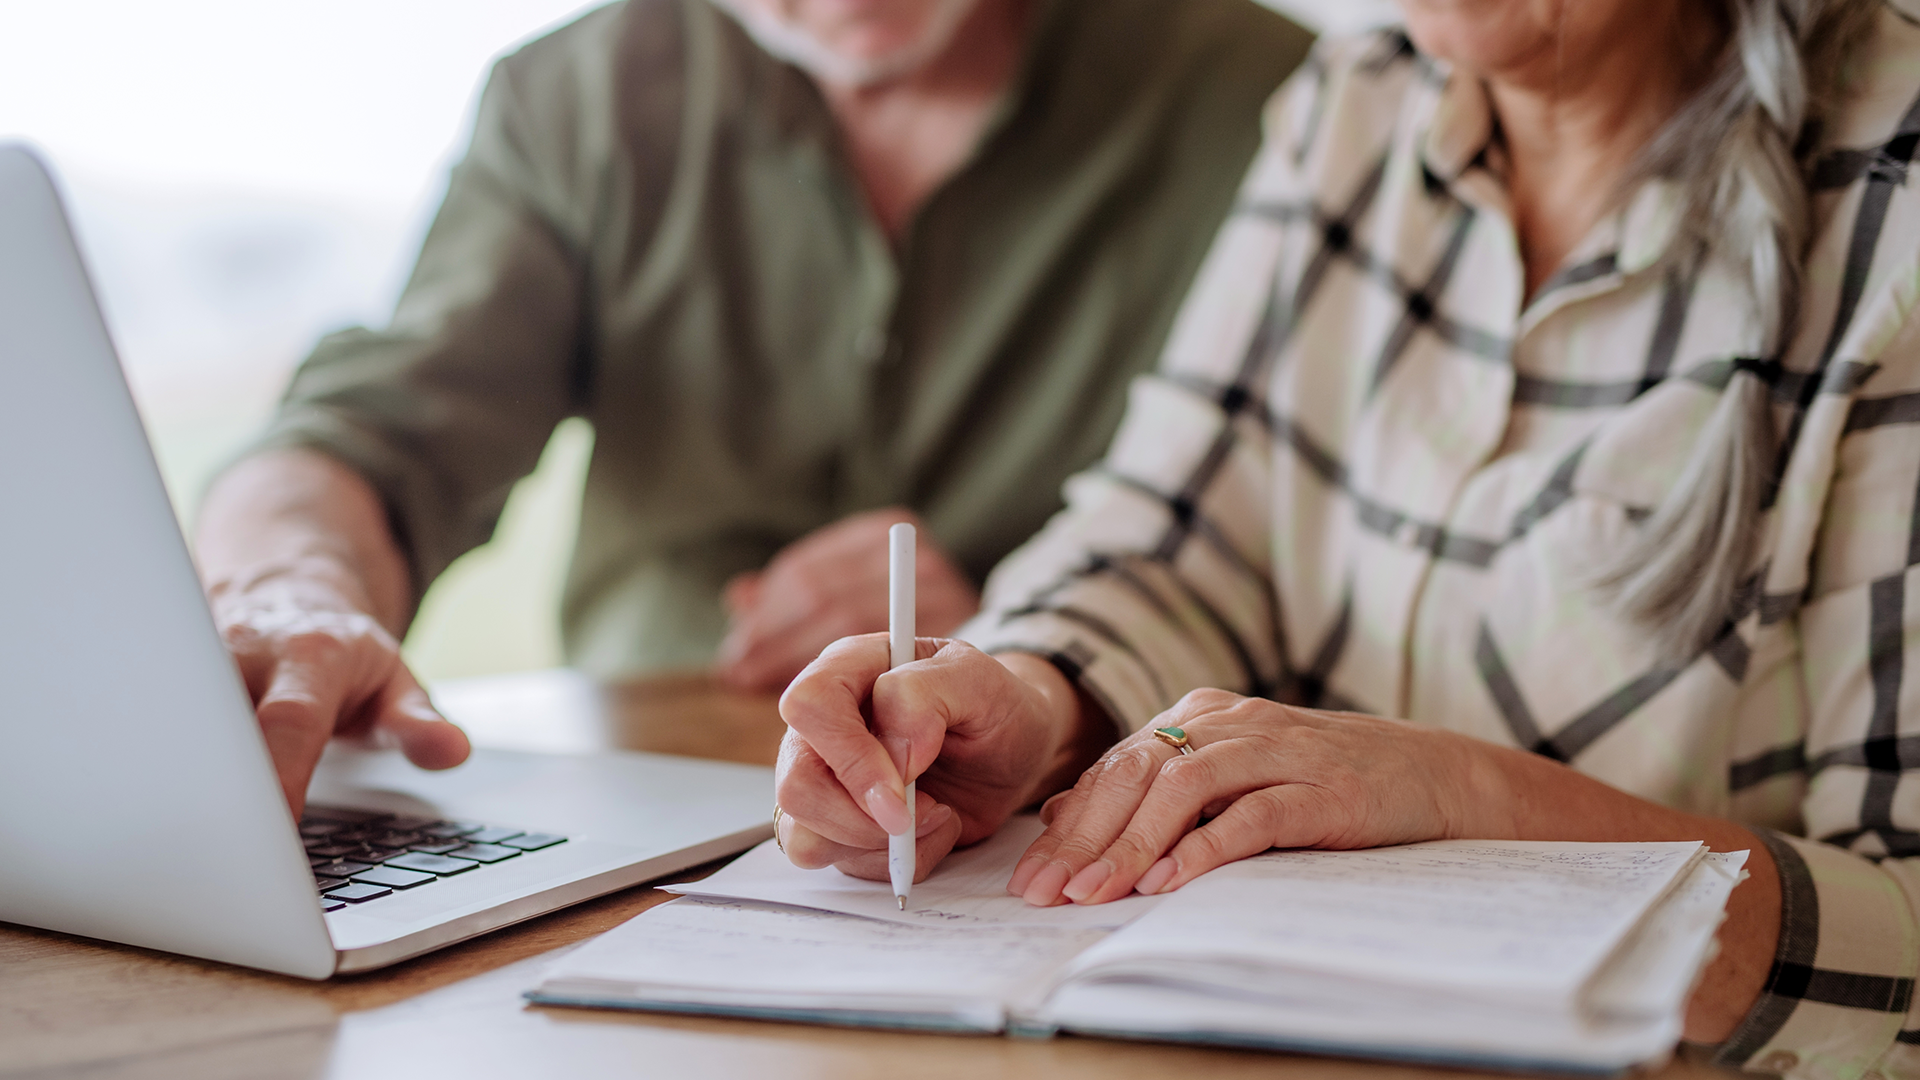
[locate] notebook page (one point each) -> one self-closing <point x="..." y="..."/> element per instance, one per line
<point x="1634" y="1017"/>
<point x="1515" y="920"/>
<point x="751" y="955"/>
<point x="1654" y="970"/>
<point x="969" y="888"/>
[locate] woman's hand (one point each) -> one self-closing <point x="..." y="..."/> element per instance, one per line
<point x="982" y="736"/>
<point x="1267" y="775"/>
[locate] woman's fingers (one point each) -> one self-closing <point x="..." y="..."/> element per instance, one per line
<point x="1290" y="815"/>
<point x="1188" y="788"/>
<point x="822" y="706"/>
<point x="809" y="793"/>
<point x="938" y="829"/>
<point x="1085" y="826"/>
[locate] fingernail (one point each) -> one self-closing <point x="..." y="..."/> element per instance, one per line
<point x="1156" y="877"/>
<point x="1023" y="874"/>
<point x="934" y="819"/>
<point x="1045" y="889"/>
<point x="900" y="749"/>
<point x="888" y="809"/>
<point x="1088" y="880"/>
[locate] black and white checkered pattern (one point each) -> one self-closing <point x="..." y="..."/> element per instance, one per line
<point x="1372" y="474"/>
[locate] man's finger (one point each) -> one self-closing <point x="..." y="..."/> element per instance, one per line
<point x="742" y="591"/>
<point x="297" y="716"/>
<point x="428" y="739"/>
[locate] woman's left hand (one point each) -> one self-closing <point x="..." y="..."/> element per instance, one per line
<point x="1262" y="775"/>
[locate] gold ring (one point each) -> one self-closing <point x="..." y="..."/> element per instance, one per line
<point x="777" y="815"/>
<point x="1174" y="737"/>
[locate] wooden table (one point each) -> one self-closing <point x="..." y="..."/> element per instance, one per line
<point x="75" y="1008"/>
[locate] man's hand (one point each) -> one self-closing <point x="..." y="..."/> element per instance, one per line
<point x="982" y="736"/>
<point x="318" y="669"/>
<point x="310" y="593"/>
<point x="830" y="584"/>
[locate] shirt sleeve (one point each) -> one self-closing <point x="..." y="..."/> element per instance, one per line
<point x="1839" y="999"/>
<point x="446" y="407"/>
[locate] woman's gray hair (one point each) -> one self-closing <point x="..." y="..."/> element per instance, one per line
<point x="1739" y="154"/>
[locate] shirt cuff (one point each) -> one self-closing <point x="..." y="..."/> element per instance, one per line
<point x="1841" y="987"/>
<point x="1108" y="672"/>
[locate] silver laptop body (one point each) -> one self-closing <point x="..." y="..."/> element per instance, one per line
<point x="137" y="801"/>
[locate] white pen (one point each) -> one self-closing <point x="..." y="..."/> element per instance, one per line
<point x="900" y="569"/>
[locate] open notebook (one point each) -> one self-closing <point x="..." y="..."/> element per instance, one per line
<point x="1573" y="957"/>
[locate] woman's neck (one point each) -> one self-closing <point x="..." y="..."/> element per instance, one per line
<point x="907" y="136"/>
<point x="1574" y="118"/>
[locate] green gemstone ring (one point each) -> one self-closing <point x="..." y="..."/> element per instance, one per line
<point x="1174" y="737"/>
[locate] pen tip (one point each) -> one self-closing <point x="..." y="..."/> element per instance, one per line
<point x="902" y="901"/>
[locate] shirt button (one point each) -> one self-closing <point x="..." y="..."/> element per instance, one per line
<point x="870" y="345"/>
<point x="1780" y="1062"/>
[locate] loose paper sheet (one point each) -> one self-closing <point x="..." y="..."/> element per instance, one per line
<point x="969" y="888"/>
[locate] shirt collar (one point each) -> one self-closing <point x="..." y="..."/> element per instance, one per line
<point x="1462" y="124"/>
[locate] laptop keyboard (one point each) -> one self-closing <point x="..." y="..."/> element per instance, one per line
<point x="361" y="855"/>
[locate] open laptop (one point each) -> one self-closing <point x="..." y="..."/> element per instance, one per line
<point x="137" y="801"/>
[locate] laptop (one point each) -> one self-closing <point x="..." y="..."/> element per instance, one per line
<point x="137" y="801"/>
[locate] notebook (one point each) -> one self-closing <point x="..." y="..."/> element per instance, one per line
<point x="1541" y="956"/>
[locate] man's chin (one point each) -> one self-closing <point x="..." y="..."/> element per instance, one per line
<point x="802" y="49"/>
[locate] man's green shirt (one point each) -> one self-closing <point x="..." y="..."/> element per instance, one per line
<point x="656" y="228"/>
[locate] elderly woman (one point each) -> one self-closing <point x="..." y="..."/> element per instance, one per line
<point x="1555" y="389"/>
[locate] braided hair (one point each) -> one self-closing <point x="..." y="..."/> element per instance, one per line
<point x="1738" y="152"/>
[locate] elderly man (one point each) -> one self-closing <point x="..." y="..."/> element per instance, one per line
<point x="808" y="267"/>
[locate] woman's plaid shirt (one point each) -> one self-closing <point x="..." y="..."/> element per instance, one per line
<point x="1372" y="474"/>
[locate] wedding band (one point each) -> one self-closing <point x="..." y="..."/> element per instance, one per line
<point x="777" y="815"/>
<point x="1174" y="737"/>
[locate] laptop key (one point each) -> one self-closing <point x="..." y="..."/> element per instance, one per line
<point x="341" y="868"/>
<point x="331" y="850"/>
<point x="492" y="835"/>
<point x="342" y="814"/>
<point x="431" y="864"/>
<point x="395" y="840"/>
<point x="328" y="903"/>
<point x="486" y="853"/>
<point x="449" y="829"/>
<point x="406" y="823"/>
<point x="393" y="877"/>
<point x="356" y="893"/>
<point x="439" y="847"/>
<point x="325" y="883"/>
<point x="374" y="853"/>
<point x="532" y="841"/>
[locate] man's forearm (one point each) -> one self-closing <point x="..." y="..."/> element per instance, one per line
<point x="300" y="519"/>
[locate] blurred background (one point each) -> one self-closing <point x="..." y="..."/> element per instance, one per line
<point x="247" y="176"/>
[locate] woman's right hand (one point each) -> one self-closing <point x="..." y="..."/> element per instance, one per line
<point x="983" y="737"/>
